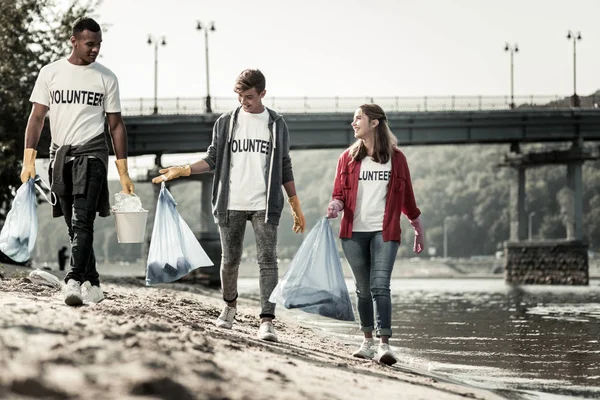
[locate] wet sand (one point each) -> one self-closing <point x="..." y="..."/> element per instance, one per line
<point x="160" y="342"/>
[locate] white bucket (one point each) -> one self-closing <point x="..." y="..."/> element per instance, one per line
<point x="131" y="226"/>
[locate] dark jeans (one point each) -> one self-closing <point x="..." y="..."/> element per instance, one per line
<point x="372" y="261"/>
<point x="80" y="212"/>
<point x="232" y="245"/>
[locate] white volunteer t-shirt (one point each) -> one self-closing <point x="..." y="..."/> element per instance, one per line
<point x="250" y="150"/>
<point x="77" y="97"/>
<point x="373" y="182"/>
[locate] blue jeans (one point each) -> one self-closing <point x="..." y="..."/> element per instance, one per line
<point x="372" y="261"/>
<point x="80" y="212"/>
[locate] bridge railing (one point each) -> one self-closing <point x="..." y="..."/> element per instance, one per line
<point x="183" y="105"/>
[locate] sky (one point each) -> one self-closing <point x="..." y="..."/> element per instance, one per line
<point x="353" y="48"/>
<point x="327" y="48"/>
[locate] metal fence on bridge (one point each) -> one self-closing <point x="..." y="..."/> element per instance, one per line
<point x="174" y="106"/>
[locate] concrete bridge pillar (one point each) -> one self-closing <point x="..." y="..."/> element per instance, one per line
<point x="575" y="185"/>
<point x="563" y="262"/>
<point x="209" y="234"/>
<point x="151" y="206"/>
<point x="518" y="219"/>
<point x="207" y="222"/>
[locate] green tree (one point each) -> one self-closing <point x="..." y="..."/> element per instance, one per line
<point x="32" y="33"/>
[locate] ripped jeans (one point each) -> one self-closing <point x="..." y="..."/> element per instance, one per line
<point x="232" y="244"/>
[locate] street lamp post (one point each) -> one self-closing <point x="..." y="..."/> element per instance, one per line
<point x="156" y="42"/>
<point x="512" y="49"/>
<point x="206" y="28"/>
<point x="575" y="37"/>
<point x="531" y="214"/>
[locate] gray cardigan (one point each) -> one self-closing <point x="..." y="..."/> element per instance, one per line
<point x="279" y="170"/>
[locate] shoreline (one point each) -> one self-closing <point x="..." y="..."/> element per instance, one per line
<point x="160" y="342"/>
<point x="404" y="269"/>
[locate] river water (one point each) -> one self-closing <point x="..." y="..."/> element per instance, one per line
<point x="528" y="342"/>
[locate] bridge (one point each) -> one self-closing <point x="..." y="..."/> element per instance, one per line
<point x="317" y="123"/>
<point x="182" y="126"/>
<point x="193" y="133"/>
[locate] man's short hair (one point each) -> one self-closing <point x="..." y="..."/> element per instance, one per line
<point x="248" y="79"/>
<point x="84" y="23"/>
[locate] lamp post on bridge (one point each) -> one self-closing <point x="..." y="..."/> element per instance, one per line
<point x="206" y="28"/>
<point x="575" y="37"/>
<point x="512" y="49"/>
<point x="163" y="42"/>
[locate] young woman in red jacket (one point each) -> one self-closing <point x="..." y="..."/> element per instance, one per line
<point x="373" y="187"/>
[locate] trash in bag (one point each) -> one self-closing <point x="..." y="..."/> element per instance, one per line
<point x="174" y="250"/>
<point x="315" y="281"/>
<point x="18" y="235"/>
<point x="44" y="278"/>
<point x="127" y="202"/>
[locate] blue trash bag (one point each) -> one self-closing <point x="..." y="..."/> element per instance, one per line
<point x="174" y="250"/>
<point x="18" y="235"/>
<point x="315" y="281"/>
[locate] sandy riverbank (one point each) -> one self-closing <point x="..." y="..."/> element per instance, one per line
<point x="160" y="343"/>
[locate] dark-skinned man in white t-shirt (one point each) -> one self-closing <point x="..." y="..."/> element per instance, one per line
<point x="78" y="95"/>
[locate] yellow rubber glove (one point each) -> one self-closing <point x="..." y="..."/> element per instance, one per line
<point x="171" y="173"/>
<point x="126" y="182"/>
<point x="299" y="221"/>
<point x="28" y="170"/>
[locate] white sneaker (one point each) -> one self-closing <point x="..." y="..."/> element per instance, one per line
<point x="385" y="355"/>
<point x="71" y="292"/>
<point x="91" y="294"/>
<point x="267" y="332"/>
<point x="365" y="350"/>
<point x="225" y="320"/>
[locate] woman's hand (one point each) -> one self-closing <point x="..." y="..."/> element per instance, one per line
<point x="334" y="208"/>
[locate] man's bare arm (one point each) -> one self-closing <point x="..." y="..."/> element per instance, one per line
<point x="118" y="133"/>
<point x="35" y="124"/>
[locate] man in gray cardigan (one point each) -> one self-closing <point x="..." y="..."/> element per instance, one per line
<point x="249" y="155"/>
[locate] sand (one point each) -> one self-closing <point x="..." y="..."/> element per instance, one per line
<point x="160" y="343"/>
